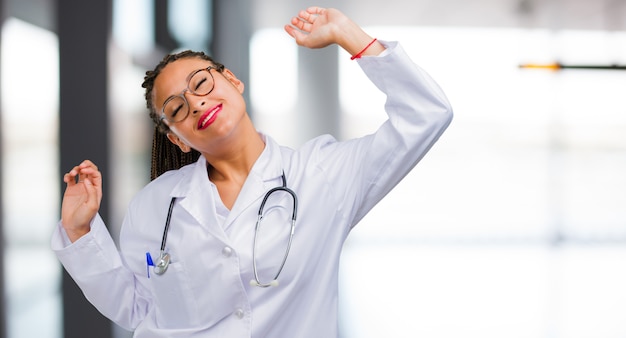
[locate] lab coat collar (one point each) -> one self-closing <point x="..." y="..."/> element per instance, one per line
<point x="195" y="190"/>
<point x="265" y="174"/>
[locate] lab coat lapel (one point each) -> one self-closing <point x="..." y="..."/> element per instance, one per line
<point x="252" y="191"/>
<point x="265" y="174"/>
<point x="197" y="199"/>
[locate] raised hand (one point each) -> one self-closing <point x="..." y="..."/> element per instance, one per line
<point x="81" y="199"/>
<point x="318" y="27"/>
<point x="315" y="27"/>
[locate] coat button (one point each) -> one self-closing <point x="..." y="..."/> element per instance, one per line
<point x="227" y="251"/>
<point x="239" y="313"/>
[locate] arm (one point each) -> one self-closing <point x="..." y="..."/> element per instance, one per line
<point x="417" y="108"/>
<point x="418" y="112"/>
<point x="90" y="256"/>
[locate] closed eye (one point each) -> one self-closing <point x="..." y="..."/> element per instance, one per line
<point x="176" y="110"/>
<point x="200" y="84"/>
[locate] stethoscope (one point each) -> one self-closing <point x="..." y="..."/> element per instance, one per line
<point x="164" y="259"/>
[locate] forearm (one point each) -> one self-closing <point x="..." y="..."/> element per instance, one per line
<point x="94" y="263"/>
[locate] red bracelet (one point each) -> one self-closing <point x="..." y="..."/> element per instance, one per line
<point x="359" y="54"/>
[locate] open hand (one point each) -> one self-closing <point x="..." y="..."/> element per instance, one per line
<point x="316" y="27"/>
<point x="81" y="199"/>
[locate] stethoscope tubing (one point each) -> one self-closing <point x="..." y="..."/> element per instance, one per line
<point x="294" y="212"/>
<point x="164" y="257"/>
<point x="167" y="224"/>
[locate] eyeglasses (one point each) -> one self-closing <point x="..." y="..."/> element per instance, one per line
<point x="199" y="83"/>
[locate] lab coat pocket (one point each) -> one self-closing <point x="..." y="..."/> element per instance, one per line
<point x="176" y="305"/>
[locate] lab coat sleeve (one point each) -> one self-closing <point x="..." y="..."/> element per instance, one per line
<point x="367" y="168"/>
<point x="94" y="263"/>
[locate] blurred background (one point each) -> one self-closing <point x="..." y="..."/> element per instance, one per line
<point x="514" y="225"/>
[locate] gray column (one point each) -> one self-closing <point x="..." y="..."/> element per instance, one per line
<point x="230" y="42"/>
<point x="318" y="93"/>
<point x="318" y="88"/>
<point x="162" y="36"/>
<point x="83" y="30"/>
<point x="3" y="315"/>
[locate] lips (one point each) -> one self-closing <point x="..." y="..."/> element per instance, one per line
<point x="209" y="117"/>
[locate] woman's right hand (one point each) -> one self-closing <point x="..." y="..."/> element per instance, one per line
<point x="81" y="199"/>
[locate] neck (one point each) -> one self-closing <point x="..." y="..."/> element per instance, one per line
<point x="237" y="159"/>
<point x="229" y="173"/>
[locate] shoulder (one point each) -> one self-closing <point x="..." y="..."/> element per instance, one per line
<point x="310" y="149"/>
<point x="161" y="187"/>
<point x="170" y="178"/>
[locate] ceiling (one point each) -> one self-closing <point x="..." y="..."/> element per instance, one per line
<point x="551" y="14"/>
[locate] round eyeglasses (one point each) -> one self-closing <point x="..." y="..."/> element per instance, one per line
<point x="199" y="83"/>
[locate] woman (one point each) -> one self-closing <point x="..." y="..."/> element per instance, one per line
<point x="214" y="270"/>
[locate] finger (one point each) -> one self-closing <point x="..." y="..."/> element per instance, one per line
<point x="316" y="10"/>
<point x="310" y="14"/>
<point x="306" y="16"/>
<point x="77" y="169"/>
<point x="301" y="24"/>
<point x="92" y="176"/>
<point x="90" y="171"/>
<point x="290" y="30"/>
<point x="296" y="34"/>
<point x="87" y="164"/>
<point x="70" y="177"/>
<point x="93" y="200"/>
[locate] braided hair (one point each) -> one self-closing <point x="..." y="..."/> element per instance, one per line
<point x="166" y="155"/>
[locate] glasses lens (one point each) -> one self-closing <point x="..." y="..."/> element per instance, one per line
<point x="176" y="109"/>
<point x="201" y="83"/>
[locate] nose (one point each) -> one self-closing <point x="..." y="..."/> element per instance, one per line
<point x="196" y="103"/>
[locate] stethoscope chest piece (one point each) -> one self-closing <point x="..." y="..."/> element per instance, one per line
<point x="162" y="263"/>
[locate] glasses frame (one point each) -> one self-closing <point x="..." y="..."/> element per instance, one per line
<point x="187" y="89"/>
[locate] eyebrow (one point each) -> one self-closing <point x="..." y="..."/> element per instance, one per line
<point x="186" y="87"/>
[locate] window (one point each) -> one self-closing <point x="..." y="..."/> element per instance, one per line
<point x="513" y="225"/>
<point x="30" y="178"/>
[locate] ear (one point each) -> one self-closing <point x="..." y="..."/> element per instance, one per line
<point x="233" y="79"/>
<point x="177" y="141"/>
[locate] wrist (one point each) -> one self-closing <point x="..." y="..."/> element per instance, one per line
<point x="363" y="51"/>
<point x="75" y="233"/>
<point x="358" y="43"/>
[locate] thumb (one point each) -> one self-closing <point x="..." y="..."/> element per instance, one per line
<point x="294" y="33"/>
<point x="92" y="193"/>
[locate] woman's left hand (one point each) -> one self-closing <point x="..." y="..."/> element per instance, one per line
<point x="318" y="27"/>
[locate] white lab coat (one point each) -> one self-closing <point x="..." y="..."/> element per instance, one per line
<point x="206" y="291"/>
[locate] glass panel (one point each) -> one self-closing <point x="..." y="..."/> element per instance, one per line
<point x="30" y="178"/>
<point x="268" y="103"/>
<point x="514" y="224"/>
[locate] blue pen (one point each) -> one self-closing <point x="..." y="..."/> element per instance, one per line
<point x="149" y="263"/>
